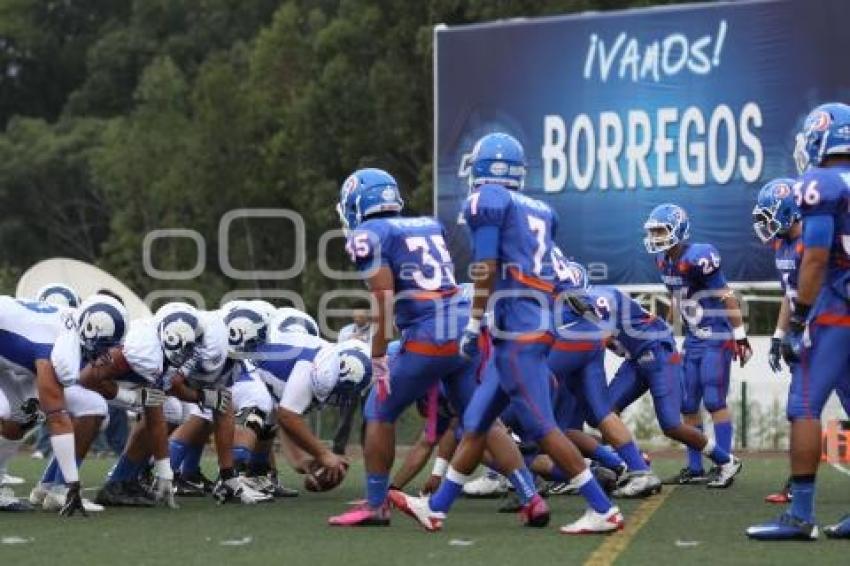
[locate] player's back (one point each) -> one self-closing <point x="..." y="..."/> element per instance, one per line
<point x="28" y="331"/>
<point x="423" y="272"/>
<point x="632" y="327"/>
<point x="526" y="232"/>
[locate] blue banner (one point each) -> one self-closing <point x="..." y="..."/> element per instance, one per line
<point x="621" y="111"/>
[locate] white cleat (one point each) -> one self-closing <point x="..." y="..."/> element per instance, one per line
<point x="250" y="496"/>
<point x="487" y="485"/>
<point x="419" y="509"/>
<point x="595" y="523"/>
<point x="54" y="500"/>
<point x="638" y="484"/>
<point x="8" y="479"/>
<point x="39" y="493"/>
<point x="727" y="474"/>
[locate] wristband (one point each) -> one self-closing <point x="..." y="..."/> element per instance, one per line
<point x="779" y="334"/>
<point x="440" y="467"/>
<point x="739" y="333"/>
<point x="162" y="469"/>
<point x="474" y="325"/>
<point x="802" y="311"/>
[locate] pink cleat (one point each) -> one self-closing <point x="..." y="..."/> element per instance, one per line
<point x="419" y="509"/>
<point x="535" y="513"/>
<point x="363" y="516"/>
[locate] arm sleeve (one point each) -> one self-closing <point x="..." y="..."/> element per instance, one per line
<point x="298" y="393"/>
<point x="818" y="231"/>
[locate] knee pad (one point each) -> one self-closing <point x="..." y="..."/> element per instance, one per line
<point x="173" y="411"/>
<point x="82" y="402"/>
<point x="256" y="420"/>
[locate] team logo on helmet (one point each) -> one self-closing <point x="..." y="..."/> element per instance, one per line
<point x="781" y="190"/>
<point x="499" y="168"/>
<point x="349" y="185"/>
<point x="819" y="121"/>
<point x="388" y="194"/>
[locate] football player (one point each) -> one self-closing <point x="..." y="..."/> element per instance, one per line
<point x="577" y="359"/>
<point x="714" y="329"/>
<point x="44" y="349"/>
<point x="651" y="363"/>
<point x="816" y="342"/>
<point x="410" y="274"/>
<point x="776" y="221"/>
<point x="512" y="241"/>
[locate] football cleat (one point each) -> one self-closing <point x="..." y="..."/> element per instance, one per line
<point x="8" y="479"/>
<point x="560" y="488"/>
<point x="725" y="474"/>
<point x="186" y="488"/>
<point x="38" y="493"/>
<point x="487" y="486"/>
<point x="55" y="500"/>
<point x="687" y="476"/>
<point x="363" y="516"/>
<point x="8" y="501"/>
<point x="511" y="504"/>
<point x="786" y="527"/>
<point x="123" y="494"/>
<point x="236" y="489"/>
<point x="535" y="513"/>
<point x="200" y="481"/>
<point x="418" y="508"/>
<point x="841" y="529"/>
<point x="638" y="485"/>
<point x="595" y="523"/>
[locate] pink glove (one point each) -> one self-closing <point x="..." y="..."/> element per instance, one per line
<point x="381" y="377"/>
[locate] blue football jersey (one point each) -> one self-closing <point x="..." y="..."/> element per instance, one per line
<point x="694" y="281"/>
<point x="415" y="250"/>
<point x="788" y="254"/>
<point x="632" y="329"/>
<point x="826" y="192"/>
<point x="526" y="231"/>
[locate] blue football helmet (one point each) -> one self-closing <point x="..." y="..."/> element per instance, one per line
<point x="58" y="295"/>
<point x="826" y="131"/>
<point x="776" y="210"/>
<point x="366" y="192"/>
<point x="499" y="159"/>
<point x="666" y="226"/>
<point x="101" y="323"/>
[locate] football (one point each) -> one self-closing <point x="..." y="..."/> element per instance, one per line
<point x="317" y="480"/>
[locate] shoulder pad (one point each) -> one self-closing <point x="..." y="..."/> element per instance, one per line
<point x="487" y="206"/>
<point x="822" y="191"/>
<point x="66" y="357"/>
<point x="143" y="351"/>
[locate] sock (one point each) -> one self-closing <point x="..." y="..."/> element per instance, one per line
<point x="377" y="486"/>
<point x="803" y="500"/>
<point x="717" y="455"/>
<point x="241" y="457"/>
<point x="260" y="463"/>
<point x="192" y="461"/>
<point x="63" y="448"/>
<point x="125" y="470"/>
<point x="592" y="492"/>
<point x="695" y="457"/>
<point x="49" y="475"/>
<point x="607" y="457"/>
<point x="723" y="436"/>
<point x="523" y="483"/>
<point x="631" y="456"/>
<point x="58" y="478"/>
<point x="177" y="453"/>
<point x="449" y="490"/>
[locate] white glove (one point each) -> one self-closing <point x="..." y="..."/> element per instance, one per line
<point x="163" y="483"/>
<point x="217" y="399"/>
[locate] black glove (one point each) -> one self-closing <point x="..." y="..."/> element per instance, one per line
<point x="30" y="409"/>
<point x="792" y="344"/>
<point x="774" y="358"/>
<point x="73" y="501"/>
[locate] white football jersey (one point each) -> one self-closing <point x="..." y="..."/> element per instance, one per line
<point x="143" y="351"/>
<point x="31" y="331"/>
<point x="211" y="367"/>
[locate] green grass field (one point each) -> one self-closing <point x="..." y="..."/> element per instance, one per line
<point x="692" y="525"/>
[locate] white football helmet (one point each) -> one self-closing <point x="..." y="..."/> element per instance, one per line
<point x="180" y="330"/>
<point x="288" y="319"/>
<point x="58" y="295"/>
<point x="247" y="324"/>
<point x="101" y="323"/>
<point x="355" y="371"/>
